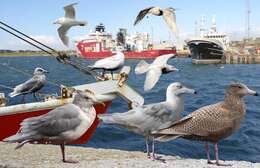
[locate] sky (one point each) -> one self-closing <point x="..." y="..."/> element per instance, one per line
<point x="35" y="18"/>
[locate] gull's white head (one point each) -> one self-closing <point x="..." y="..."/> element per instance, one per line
<point x="178" y="89"/>
<point x="86" y="96"/>
<point x="39" y="71"/>
<point x="169" y="68"/>
<point x="172" y="9"/>
<point x="58" y="21"/>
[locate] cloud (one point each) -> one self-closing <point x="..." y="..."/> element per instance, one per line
<point x="54" y="42"/>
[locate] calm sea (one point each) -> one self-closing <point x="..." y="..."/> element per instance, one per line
<point x="210" y="82"/>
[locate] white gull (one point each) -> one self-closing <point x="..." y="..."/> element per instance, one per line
<point x="111" y="63"/>
<point x="167" y="13"/>
<point x="61" y="125"/>
<point x="147" y="118"/>
<point x="67" y="22"/>
<point x="32" y="85"/>
<point x="154" y="70"/>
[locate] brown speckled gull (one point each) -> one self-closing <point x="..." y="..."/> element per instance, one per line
<point x="213" y="122"/>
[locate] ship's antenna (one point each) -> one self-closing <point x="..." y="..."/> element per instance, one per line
<point x="248" y="12"/>
<point x="196" y="28"/>
<point x="202" y="26"/>
<point x="152" y="34"/>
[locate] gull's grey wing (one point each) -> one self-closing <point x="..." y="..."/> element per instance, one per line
<point x="70" y="11"/>
<point x="29" y="86"/>
<point x="170" y="18"/>
<point x="152" y="77"/>
<point x="141" y="67"/>
<point x="108" y="62"/>
<point x="57" y="121"/>
<point x="143" y="119"/>
<point x="141" y="15"/>
<point x="162" y="60"/>
<point x="62" y="34"/>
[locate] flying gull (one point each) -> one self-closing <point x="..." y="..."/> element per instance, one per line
<point x="61" y="125"/>
<point x="32" y="85"/>
<point x="154" y="70"/>
<point x="111" y="63"/>
<point x="67" y="22"/>
<point x="147" y="118"/>
<point x="167" y="13"/>
<point x="213" y="122"/>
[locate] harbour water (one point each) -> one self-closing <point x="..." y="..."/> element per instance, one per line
<point x="209" y="81"/>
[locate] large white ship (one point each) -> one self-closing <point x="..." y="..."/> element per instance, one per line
<point x="208" y="47"/>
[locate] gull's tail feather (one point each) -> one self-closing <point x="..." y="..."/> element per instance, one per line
<point x="165" y="138"/>
<point x="16" y="138"/>
<point x="21" y="138"/>
<point x="13" y="94"/>
<point x="22" y="144"/>
<point x="83" y="23"/>
<point x="107" y="118"/>
<point x="141" y="67"/>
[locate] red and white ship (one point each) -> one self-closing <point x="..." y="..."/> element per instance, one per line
<point x="105" y="91"/>
<point x="100" y="44"/>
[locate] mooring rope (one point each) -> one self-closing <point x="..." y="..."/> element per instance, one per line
<point x="28" y="74"/>
<point x="28" y="37"/>
<point x="61" y="57"/>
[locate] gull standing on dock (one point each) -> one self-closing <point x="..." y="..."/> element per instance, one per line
<point x="111" y="63"/>
<point x="153" y="71"/>
<point x="32" y="85"/>
<point x="61" y="125"/>
<point x="147" y="118"/>
<point x="167" y="13"/>
<point x="213" y="122"/>
<point x="67" y="22"/>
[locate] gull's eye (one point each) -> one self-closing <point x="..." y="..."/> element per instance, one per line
<point x="179" y="86"/>
<point x="240" y="87"/>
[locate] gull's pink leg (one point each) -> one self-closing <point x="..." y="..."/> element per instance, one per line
<point x="207" y="152"/>
<point x="153" y="154"/>
<point x="62" y="146"/>
<point x="147" y="147"/>
<point x="217" y="158"/>
<point x="23" y="99"/>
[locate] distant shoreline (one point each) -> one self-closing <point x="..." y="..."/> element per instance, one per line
<point x="32" y="53"/>
<point x="22" y="54"/>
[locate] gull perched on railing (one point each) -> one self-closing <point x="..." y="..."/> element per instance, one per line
<point x="61" y="125"/>
<point x="154" y="70"/>
<point x="32" y="85"/>
<point x="67" y="22"/>
<point x="167" y="13"/>
<point x="111" y="63"/>
<point x="147" y="118"/>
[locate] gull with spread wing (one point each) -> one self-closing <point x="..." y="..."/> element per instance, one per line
<point x="67" y="22"/>
<point x="154" y="70"/>
<point x="167" y="13"/>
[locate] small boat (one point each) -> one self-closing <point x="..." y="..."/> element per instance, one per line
<point x="105" y="91"/>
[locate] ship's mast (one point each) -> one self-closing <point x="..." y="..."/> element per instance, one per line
<point x="248" y="11"/>
<point x="202" y="26"/>
<point x="213" y="24"/>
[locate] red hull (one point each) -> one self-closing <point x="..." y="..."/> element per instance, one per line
<point x="102" y="53"/>
<point x="148" y="54"/>
<point x="10" y="124"/>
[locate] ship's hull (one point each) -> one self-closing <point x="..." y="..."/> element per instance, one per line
<point x="10" y="122"/>
<point x="205" y="50"/>
<point x="147" y="54"/>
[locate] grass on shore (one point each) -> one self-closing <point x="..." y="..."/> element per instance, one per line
<point x="15" y="54"/>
